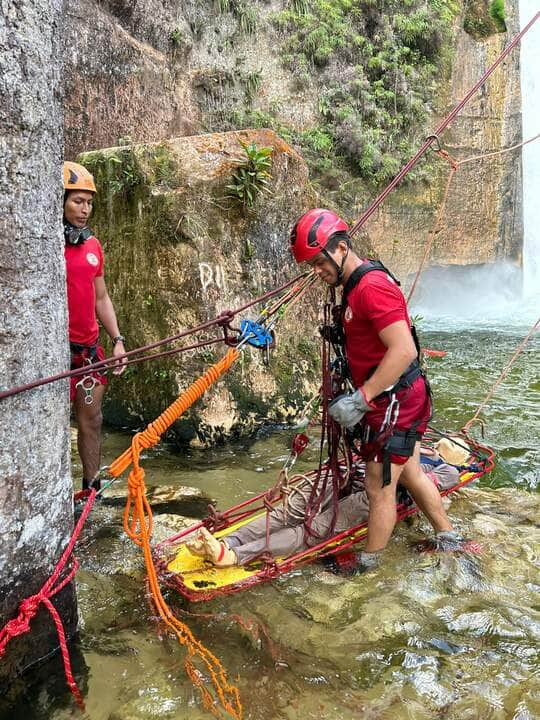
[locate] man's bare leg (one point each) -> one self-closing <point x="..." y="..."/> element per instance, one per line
<point x="424" y="492"/>
<point x="89" y="421"/>
<point x="382" y="505"/>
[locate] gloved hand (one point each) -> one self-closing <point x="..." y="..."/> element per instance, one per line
<point x="349" y="409"/>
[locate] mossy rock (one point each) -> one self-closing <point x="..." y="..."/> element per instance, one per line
<point x="175" y="248"/>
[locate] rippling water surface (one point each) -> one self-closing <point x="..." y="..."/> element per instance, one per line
<point x="423" y="637"/>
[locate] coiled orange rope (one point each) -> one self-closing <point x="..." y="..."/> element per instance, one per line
<point x="138" y="525"/>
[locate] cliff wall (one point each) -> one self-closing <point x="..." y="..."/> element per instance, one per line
<point x="149" y="70"/>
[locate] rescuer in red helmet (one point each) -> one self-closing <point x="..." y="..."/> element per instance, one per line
<point x="391" y="404"/>
<point x="88" y="302"/>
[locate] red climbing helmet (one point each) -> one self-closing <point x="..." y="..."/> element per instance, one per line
<point x="312" y="231"/>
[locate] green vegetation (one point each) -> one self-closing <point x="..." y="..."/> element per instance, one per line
<point x="497" y="12"/>
<point x="252" y="83"/>
<point x="243" y="10"/>
<point x="176" y="37"/>
<point x="117" y="172"/>
<point x="482" y="20"/>
<point x="251" y="175"/>
<point x="374" y="67"/>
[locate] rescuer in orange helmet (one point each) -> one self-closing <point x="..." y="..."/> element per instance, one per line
<point x="88" y="302"/>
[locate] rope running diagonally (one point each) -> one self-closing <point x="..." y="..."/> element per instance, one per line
<point x="441" y="127"/>
<point x="437" y="225"/>
<point x="503" y="374"/>
<point x="221" y="320"/>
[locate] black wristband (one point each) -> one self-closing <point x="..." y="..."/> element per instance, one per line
<point x="118" y="338"/>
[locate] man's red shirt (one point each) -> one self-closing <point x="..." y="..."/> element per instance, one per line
<point x="84" y="263"/>
<point x="375" y="303"/>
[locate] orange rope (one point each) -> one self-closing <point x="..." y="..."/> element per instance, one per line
<point x="454" y="166"/>
<point x="504" y="373"/>
<point x="138" y="526"/>
<point x="153" y="432"/>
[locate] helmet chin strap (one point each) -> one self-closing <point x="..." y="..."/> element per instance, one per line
<point x="339" y="268"/>
<point x="74" y="235"/>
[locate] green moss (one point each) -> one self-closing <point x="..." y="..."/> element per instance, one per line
<point x="483" y="18"/>
<point x="117" y="171"/>
<point x="497" y="13"/>
<point x="163" y="166"/>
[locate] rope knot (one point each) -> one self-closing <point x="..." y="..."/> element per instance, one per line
<point x="225" y="319"/>
<point x="27" y="611"/>
<point x="136" y="480"/>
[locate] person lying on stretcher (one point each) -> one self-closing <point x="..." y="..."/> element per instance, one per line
<point x="286" y="527"/>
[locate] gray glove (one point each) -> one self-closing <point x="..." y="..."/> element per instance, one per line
<point x="349" y="409"/>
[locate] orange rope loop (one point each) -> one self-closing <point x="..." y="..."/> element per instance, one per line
<point x="151" y="435"/>
<point x="503" y="374"/>
<point x="449" y="159"/>
<point x="138" y="526"/>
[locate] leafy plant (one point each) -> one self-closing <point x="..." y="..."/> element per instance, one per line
<point x="301" y="7"/>
<point x="252" y="83"/>
<point x="497" y="12"/>
<point x="176" y="37"/>
<point x="118" y="172"/>
<point x="243" y="11"/>
<point x="382" y="61"/>
<point x="252" y="175"/>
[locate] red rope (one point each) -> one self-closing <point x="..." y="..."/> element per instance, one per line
<point x="221" y="320"/>
<point x="29" y="607"/>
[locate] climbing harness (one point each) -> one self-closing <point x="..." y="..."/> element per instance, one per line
<point x="387" y="440"/>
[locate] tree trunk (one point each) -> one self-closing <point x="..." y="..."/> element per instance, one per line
<point x="36" y="516"/>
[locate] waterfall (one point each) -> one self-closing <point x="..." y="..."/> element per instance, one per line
<point x="530" y="93"/>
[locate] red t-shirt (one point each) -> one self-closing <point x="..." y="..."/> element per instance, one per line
<point x="373" y="304"/>
<point x="84" y="263"/>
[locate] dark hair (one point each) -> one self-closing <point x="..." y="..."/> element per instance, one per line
<point x="334" y="239"/>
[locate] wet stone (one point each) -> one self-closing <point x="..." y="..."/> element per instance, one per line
<point x="166" y="525"/>
<point x="182" y="499"/>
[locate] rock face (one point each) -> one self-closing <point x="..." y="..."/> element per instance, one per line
<point x="178" y="253"/>
<point x="36" y="507"/>
<point x="152" y="70"/>
<point x="484" y="211"/>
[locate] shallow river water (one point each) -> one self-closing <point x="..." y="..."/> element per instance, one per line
<point x="424" y="637"/>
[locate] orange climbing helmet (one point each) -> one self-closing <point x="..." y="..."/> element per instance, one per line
<point x="311" y="233"/>
<point x="77" y="177"/>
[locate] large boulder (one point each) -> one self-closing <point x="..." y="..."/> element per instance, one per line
<point x="179" y="251"/>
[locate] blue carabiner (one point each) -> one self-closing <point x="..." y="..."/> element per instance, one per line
<point x="255" y="334"/>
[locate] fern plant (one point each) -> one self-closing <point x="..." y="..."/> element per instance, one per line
<point x="252" y="175"/>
